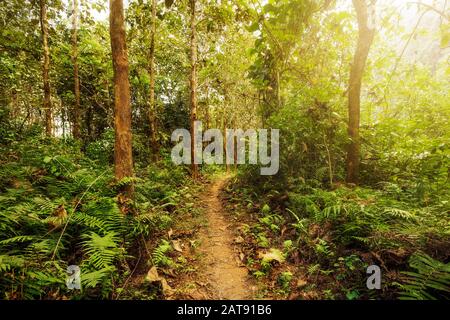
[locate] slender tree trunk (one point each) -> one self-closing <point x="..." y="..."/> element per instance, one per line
<point x="365" y="40"/>
<point x="225" y="142"/>
<point x="193" y="85"/>
<point x="76" y="108"/>
<point x="47" y="103"/>
<point x="330" y="164"/>
<point x="207" y="113"/>
<point x="14" y="104"/>
<point x="225" y="122"/>
<point x="278" y="90"/>
<point x="235" y="141"/>
<point x="152" y="71"/>
<point x="89" y="124"/>
<point x="207" y="116"/>
<point x="123" y="159"/>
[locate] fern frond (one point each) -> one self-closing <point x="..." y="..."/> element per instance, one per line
<point x="430" y="281"/>
<point x="92" y="279"/>
<point x="331" y="212"/>
<point x="159" y="257"/>
<point x="399" y="213"/>
<point x="17" y="239"/>
<point x="8" y="262"/>
<point x="102" y="251"/>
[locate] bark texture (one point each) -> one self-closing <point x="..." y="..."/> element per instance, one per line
<point x="47" y="103"/>
<point x="76" y="108"/>
<point x="123" y="159"/>
<point x="365" y="39"/>
<point x="193" y="84"/>
<point x="152" y="72"/>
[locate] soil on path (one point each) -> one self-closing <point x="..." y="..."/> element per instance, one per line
<point x="226" y="279"/>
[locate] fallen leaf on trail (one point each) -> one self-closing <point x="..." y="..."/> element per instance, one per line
<point x="152" y="275"/>
<point x="170" y="233"/>
<point x="166" y="289"/>
<point x="273" y="254"/>
<point x="177" y="246"/>
<point x="239" y="239"/>
<point x="301" y="283"/>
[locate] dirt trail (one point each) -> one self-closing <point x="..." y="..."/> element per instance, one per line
<point x="226" y="279"/>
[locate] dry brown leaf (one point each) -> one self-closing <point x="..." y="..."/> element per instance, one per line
<point x="272" y="254"/>
<point x="301" y="283"/>
<point x="152" y="275"/>
<point x="177" y="245"/>
<point x="239" y="239"/>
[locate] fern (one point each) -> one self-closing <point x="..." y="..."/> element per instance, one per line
<point x="103" y="213"/>
<point x="45" y="279"/>
<point x="331" y="212"/>
<point x="89" y="221"/>
<point x="313" y="268"/>
<point x="431" y="280"/>
<point x="92" y="232"/>
<point x="399" y="213"/>
<point x="8" y="262"/>
<point x="102" y="251"/>
<point x="92" y="279"/>
<point x="14" y="240"/>
<point x="159" y="257"/>
<point x="44" y="247"/>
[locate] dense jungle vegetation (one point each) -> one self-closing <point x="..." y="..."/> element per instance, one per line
<point x="91" y="91"/>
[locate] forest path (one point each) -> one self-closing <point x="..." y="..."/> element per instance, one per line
<point x="225" y="278"/>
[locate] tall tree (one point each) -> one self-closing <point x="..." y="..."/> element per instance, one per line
<point x="152" y="71"/>
<point x="366" y="33"/>
<point x="193" y="84"/>
<point x="123" y="159"/>
<point x="76" y="109"/>
<point x="47" y="103"/>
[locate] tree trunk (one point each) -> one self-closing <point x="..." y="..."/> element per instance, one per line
<point x="225" y="141"/>
<point x="235" y="141"/>
<point x="152" y="71"/>
<point x="193" y="86"/>
<point x="123" y="159"/>
<point x="278" y="90"/>
<point x="76" y="108"/>
<point x="365" y="39"/>
<point x="47" y="103"/>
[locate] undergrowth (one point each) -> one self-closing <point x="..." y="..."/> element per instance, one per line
<point x="333" y="235"/>
<point x="59" y="207"/>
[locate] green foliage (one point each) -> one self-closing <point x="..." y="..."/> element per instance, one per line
<point x="336" y="230"/>
<point x="429" y="281"/>
<point x="159" y="255"/>
<point x="261" y="64"/>
<point x="101" y="251"/>
<point x="59" y="207"/>
<point x="10" y="262"/>
<point x="273" y="221"/>
<point x="284" y="280"/>
<point x="102" y="149"/>
<point x="94" y="278"/>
